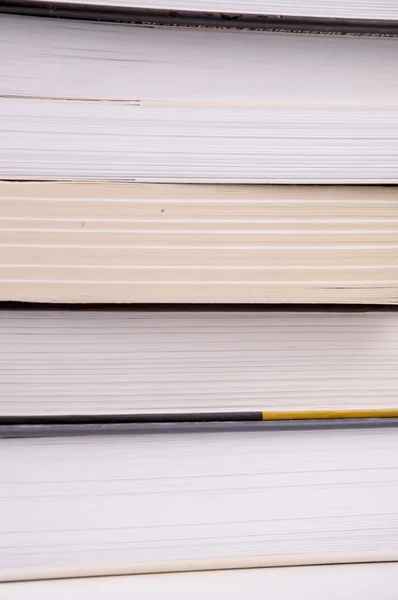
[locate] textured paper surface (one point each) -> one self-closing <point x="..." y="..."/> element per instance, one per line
<point x="116" y="102"/>
<point x="168" y="501"/>
<point x="173" y="243"/>
<point x="61" y="362"/>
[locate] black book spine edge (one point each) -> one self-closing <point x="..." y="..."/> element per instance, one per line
<point x="203" y="20"/>
<point x="71" y="425"/>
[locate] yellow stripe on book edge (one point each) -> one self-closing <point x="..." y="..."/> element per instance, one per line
<point x="306" y="415"/>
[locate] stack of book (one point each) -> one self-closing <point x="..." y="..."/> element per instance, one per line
<point x="199" y="240"/>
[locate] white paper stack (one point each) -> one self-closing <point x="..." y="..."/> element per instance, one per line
<point x="152" y="503"/>
<point x="103" y="362"/>
<point x="86" y="101"/>
<point x="152" y="176"/>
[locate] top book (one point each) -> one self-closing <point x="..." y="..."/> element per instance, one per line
<point x="114" y="102"/>
<point x="315" y="9"/>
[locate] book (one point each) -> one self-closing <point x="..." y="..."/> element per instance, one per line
<point x="368" y="580"/>
<point x="106" y="101"/>
<point x="102" y="362"/>
<point x="318" y="9"/>
<point x="132" y="243"/>
<point x="159" y="502"/>
<point x="152" y="441"/>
